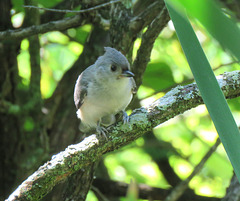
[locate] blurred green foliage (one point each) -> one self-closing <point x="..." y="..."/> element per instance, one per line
<point x="190" y="134"/>
<point x="210" y="15"/>
<point x="222" y="26"/>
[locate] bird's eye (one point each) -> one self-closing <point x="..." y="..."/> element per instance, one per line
<point x="113" y="68"/>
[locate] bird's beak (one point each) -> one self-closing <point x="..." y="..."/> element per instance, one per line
<point x="127" y="73"/>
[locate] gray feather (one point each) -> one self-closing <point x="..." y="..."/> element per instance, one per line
<point x="112" y="56"/>
<point x="80" y="91"/>
<point x="134" y="86"/>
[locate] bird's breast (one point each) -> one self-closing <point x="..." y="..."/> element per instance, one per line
<point x="113" y="97"/>
<point x="104" y="100"/>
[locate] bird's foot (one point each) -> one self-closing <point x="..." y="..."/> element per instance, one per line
<point x="125" y="117"/>
<point x="102" y="131"/>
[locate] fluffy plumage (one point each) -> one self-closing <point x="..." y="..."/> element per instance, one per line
<point x="102" y="90"/>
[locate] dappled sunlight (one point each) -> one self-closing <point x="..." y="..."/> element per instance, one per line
<point x="158" y="156"/>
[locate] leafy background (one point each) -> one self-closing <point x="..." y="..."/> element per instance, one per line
<point x="184" y="139"/>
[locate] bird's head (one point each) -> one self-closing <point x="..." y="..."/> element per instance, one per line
<point x="113" y="65"/>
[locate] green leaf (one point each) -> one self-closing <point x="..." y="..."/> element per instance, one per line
<point x="208" y="86"/>
<point x="82" y="33"/>
<point x="18" y="5"/>
<point x="158" y="76"/>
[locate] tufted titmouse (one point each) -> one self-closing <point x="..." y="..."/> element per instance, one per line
<point x="102" y="90"/>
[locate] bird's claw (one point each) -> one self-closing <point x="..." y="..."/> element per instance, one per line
<point x="125" y="117"/>
<point x="102" y="131"/>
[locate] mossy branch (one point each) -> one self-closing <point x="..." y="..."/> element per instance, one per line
<point x="79" y="156"/>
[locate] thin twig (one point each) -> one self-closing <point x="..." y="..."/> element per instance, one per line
<point x="118" y="189"/>
<point x="74" y="11"/>
<point x="57" y="25"/>
<point x="99" y="194"/>
<point x="180" y="188"/>
<point x="226" y="64"/>
<point x="142" y="20"/>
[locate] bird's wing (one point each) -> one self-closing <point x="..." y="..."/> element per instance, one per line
<point x="134" y="86"/>
<point x="80" y="91"/>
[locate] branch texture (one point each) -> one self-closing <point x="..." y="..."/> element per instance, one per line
<point x="74" y="11"/>
<point x="57" y="25"/>
<point x="43" y="28"/>
<point x="135" y="24"/>
<point x="79" y="156"/>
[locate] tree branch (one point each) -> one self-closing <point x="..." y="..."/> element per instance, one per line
<point x="143" y="19"/>
<point x="74" y="11"/>
<point x="79" y="156"/>
<point x="136" y="23"/>
<point x="43" y="28"/>
<point x="148" y="39"/>
<point x="57" y="25"/>
<point x="119" y="189"/>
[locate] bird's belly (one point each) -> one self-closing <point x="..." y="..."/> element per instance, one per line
<point x="116" y="101"/>
<point x="90" y="114"/>
<point x="93" y="109"/>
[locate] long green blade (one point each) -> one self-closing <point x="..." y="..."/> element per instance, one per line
<point x="208" y="86"/>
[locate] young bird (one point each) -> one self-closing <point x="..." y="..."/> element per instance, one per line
<point x="102" y="90"/>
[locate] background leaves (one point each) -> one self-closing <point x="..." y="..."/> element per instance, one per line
<point x="180" y="143"/>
